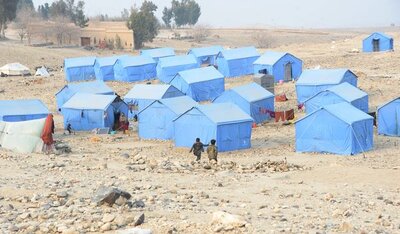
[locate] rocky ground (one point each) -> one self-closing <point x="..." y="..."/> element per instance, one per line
<point x="110" y="183"/>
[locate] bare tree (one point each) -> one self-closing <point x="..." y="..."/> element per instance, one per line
<point x="25" y="23"/>
<point x="201" y="33"/>
<point x="263" y="39"/>
<point x="63" y="29"/>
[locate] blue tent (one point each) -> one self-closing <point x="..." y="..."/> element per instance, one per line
<point x="22" y="110"/>
<point x="135" y="68"/>
<point x="78" y="69"/>
<point x="237" y="62"/>
<point x="168" y="67"/>
<point x="312" y="82"/>
<point x="338" y="128"/>
<point x="377" y="42"/>
<point x="93" y="87"/>
<point x="142" y="95"/>
<point x="389" y="118"/>
<point x="104" y="68"/>
<point x="252" y="99"/>
<point x="206" y="55"/>
<point x="158" y="53"/>
<point x="343" y="92"/>
<point x="201" y="84"/>
<point x="86" y="112"/>
<point x="224" y="122"/>
<point x="156" y="120"/>
<point x="283" y="66"/>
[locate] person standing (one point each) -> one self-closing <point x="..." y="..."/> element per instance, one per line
<point x="212" y="151"/>
<point x="197" y="149"/>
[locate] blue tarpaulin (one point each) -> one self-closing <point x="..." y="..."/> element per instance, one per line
<point x="78" y="69"/>
<point x="156" y="120"/>
<point x="389" y="118"/>
<point x="312" y="82"/>
<point x="142" y="95"/>
<point x="224" y="122"/>
<point x="201" y="84"/>
<point x="135" y="68"/>
<point x="378" y="42"/>
<point x="22" y="110"/>
<point x="343" y="92"/>
<point x="252" y="99"/>
<point x="338" y="128"/>
<point x="283" y="66"/>
<point x="104" y="67"/>
<point x="237" y="62"/>
<point x="158" y="53"/>
<point x="93" y="87"/>
<point x="86" y="112"/>
<point x="168" y="67"/>
<point x="206" y="55"/>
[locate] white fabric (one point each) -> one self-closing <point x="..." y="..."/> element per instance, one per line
<point x="14" y="69"/>
<point x="22" y="137"/>
<point x="42" y="72"/>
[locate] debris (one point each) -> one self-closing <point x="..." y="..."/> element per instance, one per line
<point x="109" y="195"/>
<point x="228" y="221"/>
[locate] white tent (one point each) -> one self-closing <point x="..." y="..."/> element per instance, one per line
<point x="22" y="137"/>
<point x="42" y="72"/>
<point x="14" y="69"/>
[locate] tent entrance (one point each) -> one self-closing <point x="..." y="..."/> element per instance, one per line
<point x="288" y="72"/>
<point x="375" y="45"/>
<point x="85" y="41"/>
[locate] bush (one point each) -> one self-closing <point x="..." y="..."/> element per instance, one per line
<point x="201" y="33"/>
<point x="118" y="43"/>
<point x="263" y="39"/>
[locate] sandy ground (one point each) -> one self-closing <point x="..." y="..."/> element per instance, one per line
<point x="322" y="194"/>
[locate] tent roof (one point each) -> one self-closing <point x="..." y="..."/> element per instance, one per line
<point x="108" y="61"/>
<point x="178" y="105"/>
<point x="200" y="74"/>
<point x="42" y="71"/>
<point x="88" y="101"/>
<point x="252" y="92"/>
<point x="22" y="107"/>
<point x="223" y="113"/>
<point x="14" y="67"/>
<point x="95" y="87"/>
<point x="378" y="34"/>
<point x="206" y="51"/>
<point x="177" y="60"/>
<point x="151" y="92"/>
<point x="347" y="91"/>
<point x="79" y="62"/>
<point x="322" y="76"/>
<point x="271" y="57"/>
<point x="387" y="103"/>
<point x="158" y="52"/>
<point x="133" y="61"/>
<point x="240" y="53"/>
<point x="344" y="111"/>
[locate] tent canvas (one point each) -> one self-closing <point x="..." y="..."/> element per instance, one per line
<point x="14" y="69"/>
<point x="142" y="95"/>
<point x="158" y="53"/>
<point x="93" y="87"/>
<point x="168" y="67"/>
<point x="135" y="68"/>
<point x="338" y="128"/>
<point x="86" y="112"/>
<point x="389" y="118"/>
<point x="22" y="137"/>
<point x="206" y="55"/>
<point x="201" y="84"/>
<point x="377" y="42"/>
<point x="156" y="120"/>
<point x="104" y="67"/>
<point x="237" y="62"/>
<point x="79" y="69"/>
<point x="252" y="99"/>
<point x="343" y="92"/>
<point x="22" y="110"/>
<point x="312" y="82"/>
<point x="224" y="122"/>
<point x="42" y="72"/>
<point x="277" y="63"/>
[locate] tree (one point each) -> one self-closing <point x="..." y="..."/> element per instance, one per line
<point x="25" y="20"/>
<point x="167" y="17"/>
<point x="201" y="33"/>
<point x="43" y="11"/>
<point x="23" y="4"/>
<point x="144" y="23"/>
<point x="68" y="9"/>
<point x="8" y="10"/>
<point x="125" y="14"/>
<point x="184" y="12"/>
<point x="118" y="42"/>
<point x="80" y="19"/>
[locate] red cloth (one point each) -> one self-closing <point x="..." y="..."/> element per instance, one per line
<point x="281" y="98"/>
<point x="47" y="133"/>
<point x="289" y="114"/>
<point x="279" y="115"/>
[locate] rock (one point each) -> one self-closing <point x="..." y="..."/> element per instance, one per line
<point x="105" y="227"/>
<point x="138" y="204"/>
<point x="228" y="221"/>
<point x="135" y="231"/>
<point x="345" y="227"/>
<point x="328" y="197"/>
<point x="109" y="195"/>
<point x="24" y="216"/>
<point x="139" y="220"/>
<point x="108" y="218"/>
<point x="207" y="166"/>
<point x="125" y="155"/>
<point x="337" y="213"/>
<point x="121" y="221"/>
<point x="62" y="194"/>
<point x="70" y="231"/>
<point x="121" y="201"/>
<point x="380" y="198"/>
